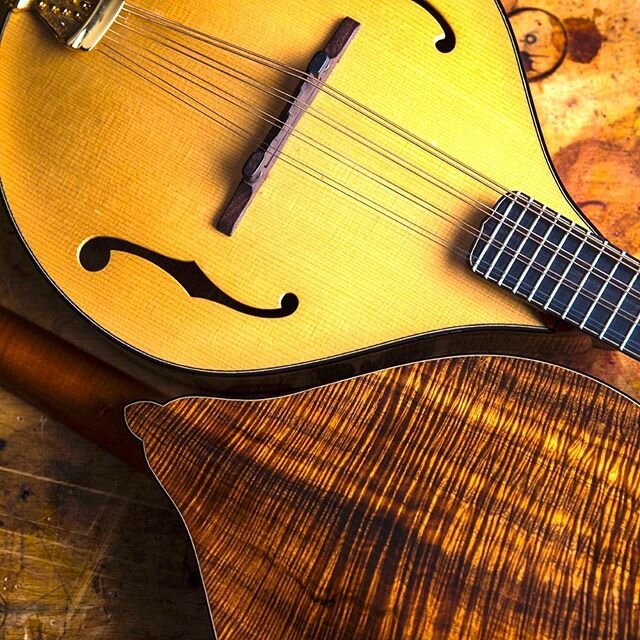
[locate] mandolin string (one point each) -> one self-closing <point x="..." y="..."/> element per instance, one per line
<point x="283" y="96"/>
<point x="462" y="251"/>
<point x="410" y="196"/>
<point x="314" y="143"/>
<point x="169" y="24"/>
<point x="311" y="141"/>
<point x="172" y="25"/>
<point x="395" y="188"/>
<point x="153" y="18"/>
<point x="145" y="14"/>
<point x="237" y="130"/>
<point x="314" y="173"/>
<point x="432" y="149"/>
<point x="390" y="214"/>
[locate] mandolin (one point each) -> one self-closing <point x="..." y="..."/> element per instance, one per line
<point x="258" y="187"/>
<point x="459" y="498"/>
<point x="470" y="497"/>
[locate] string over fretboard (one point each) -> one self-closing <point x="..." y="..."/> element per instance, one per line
<point x="562" y="268"/>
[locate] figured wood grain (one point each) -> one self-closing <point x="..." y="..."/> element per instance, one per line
<point x="473" y="497"/>
<point x="591" y="109"/>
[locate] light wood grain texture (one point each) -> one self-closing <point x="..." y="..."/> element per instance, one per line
<point x="474" y="497"/>
<point x="362" y="279"/>
<point x="600" y="172"/>
<point x="605" y="86"/>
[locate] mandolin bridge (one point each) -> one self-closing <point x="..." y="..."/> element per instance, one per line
<point x="257" y="167"/>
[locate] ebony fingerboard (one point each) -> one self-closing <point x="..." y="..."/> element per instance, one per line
<point x="562" y="268"/>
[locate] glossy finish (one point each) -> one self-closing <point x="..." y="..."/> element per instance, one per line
<point x="474" y="497"/>
<point x="99" y="23"/>
<point x="157" y="174"/>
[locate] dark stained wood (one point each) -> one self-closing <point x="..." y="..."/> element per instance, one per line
<point x="472" y="497"/>
<point x="70" y="385"/>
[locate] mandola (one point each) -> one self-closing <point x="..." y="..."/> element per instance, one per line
<point x="242" y="187"/>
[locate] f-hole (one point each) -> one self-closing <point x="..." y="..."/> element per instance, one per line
<point x="447" y="42"/>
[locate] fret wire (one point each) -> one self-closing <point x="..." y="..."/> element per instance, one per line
<point x="578" y="233"/>
<point x="603" y="286"/>
<point x="516" y="253"/>
<point x="505" y="243"/>
<point x="534" y="257"/>
<point x="618" y="306"/>
<point x="549" y="263"/>
<point x="492" y="237"/>
<point x="588" y="272"/>
<point x="564" y="274"/>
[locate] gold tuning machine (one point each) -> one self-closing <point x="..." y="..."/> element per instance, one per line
<point x="80" y="24"/>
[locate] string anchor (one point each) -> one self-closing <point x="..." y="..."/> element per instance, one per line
<point x="77" y="24"/>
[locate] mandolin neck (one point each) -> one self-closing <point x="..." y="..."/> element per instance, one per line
<point x="562" y="269"/>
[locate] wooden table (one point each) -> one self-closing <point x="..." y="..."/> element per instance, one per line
<point x="90" y="549"/>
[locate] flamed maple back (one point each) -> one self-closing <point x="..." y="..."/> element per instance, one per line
<point x="471" y="498"/>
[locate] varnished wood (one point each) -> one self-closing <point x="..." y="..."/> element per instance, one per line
<point x="597" y="165"/>
<point x="70" y="385"/>
<point x="137" y="180"/>
<point x="473" y="497"/>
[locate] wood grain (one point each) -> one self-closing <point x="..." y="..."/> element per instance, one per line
<point x="303" y="235"/>
<point x="474" y="497"/>
<point x="589" y="109"/>
<point x="89" y="548"/>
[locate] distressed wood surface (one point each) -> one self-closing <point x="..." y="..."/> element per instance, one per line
<point x="466" y="498"/>
<point x="589" y="113"/>
<point x="89" y="549"/>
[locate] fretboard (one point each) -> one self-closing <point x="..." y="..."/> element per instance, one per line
<point x="562" y="268"/>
